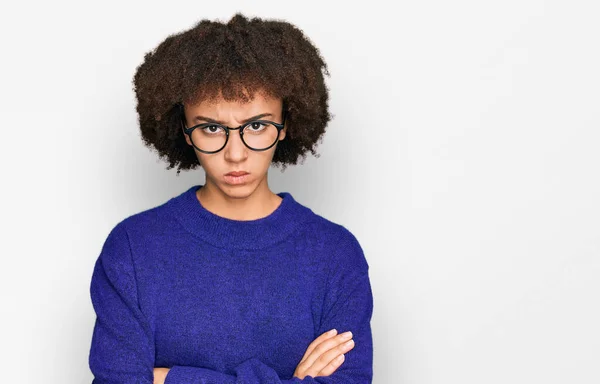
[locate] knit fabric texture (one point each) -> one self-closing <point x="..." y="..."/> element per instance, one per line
<point x="224" y="301"/>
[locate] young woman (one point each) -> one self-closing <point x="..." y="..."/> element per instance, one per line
<point x="229" y="282"/>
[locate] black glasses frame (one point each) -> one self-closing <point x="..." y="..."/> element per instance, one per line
<point x="188" y="131"/>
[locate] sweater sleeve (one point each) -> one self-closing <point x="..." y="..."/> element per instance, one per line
<point x="348" y="306"/>
<point x="123" y="348"/>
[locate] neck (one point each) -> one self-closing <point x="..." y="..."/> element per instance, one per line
<point x="239" y="205"/>
<point x="289" y="218"/>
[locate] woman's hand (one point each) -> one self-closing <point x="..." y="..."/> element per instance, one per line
<point x="160" y="374"/>
<point x="324" y="355"/>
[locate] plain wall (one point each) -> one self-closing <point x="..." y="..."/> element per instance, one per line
<point x="463" y="155"/>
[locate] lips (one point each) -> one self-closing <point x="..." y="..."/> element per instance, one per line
<point x="236" y="173"/>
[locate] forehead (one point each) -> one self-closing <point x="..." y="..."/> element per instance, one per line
<point x="259" y="100"/>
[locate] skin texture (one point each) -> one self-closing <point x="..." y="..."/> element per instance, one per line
<point x="253" y="199"/>
<point x="325" y="354"/>
<point x="160" y="375"/>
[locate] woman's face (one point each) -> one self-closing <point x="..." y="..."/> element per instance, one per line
<point x="236" y="156"/>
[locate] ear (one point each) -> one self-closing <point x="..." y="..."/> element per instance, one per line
<point x="187" y="138"/>
<point x="282" y="133"/>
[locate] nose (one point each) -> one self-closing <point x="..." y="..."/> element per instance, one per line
<point x="235" y="150"/>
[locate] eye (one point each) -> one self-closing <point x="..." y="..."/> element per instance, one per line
<point x="212" y="129"/>
<point x="256" y="126"/>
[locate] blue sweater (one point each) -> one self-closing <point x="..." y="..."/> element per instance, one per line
<point x="226" y="301"/>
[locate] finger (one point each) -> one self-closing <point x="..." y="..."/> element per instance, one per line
<point x="325" y="352"/>
<point x="328" y="358"/>
<point x="332" y="366"/>
<point x="317" y="341"/>
<point x="326" y="345"/>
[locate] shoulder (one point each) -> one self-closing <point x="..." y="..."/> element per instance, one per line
<point x="341" y="247"/>
<point x="144" y="224"/>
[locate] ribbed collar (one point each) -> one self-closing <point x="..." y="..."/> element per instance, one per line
<point x="222" y="232"/>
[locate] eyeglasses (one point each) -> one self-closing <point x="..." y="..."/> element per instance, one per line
<point x="258" y="135"/>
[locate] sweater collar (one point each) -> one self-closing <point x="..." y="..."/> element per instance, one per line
<point x="222" y="232"/>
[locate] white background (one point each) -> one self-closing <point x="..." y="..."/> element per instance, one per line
<point x="463" y="155"/>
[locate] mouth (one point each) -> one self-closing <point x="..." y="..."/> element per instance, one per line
<point x="237" y="178"/>
<point x="237" y="173"/>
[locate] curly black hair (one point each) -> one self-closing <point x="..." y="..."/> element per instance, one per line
<point x="271" y="56"/>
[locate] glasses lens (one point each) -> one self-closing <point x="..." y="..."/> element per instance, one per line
<point x="209" y="138"/>
<point x="257" y="135"/>
<point x="260" y="135"/>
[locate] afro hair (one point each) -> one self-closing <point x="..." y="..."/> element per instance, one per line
<point x="233" y="60"/>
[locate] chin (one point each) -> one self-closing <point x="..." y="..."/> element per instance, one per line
<point x="239" y="190"/>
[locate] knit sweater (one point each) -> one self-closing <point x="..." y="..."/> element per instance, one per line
<point x="225" y="301"/>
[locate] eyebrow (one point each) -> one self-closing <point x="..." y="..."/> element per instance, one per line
<point x="208" y="119"/>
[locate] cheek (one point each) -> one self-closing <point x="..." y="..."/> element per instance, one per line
<point x="259" y="162"/>
<point x="256" y="162"/>
<point x="204" y="161"/>
<point x="267" y="157"/>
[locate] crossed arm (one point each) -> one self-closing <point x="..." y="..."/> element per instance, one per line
<point x="323" y="356"/>
<point x="123" y="347"/>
